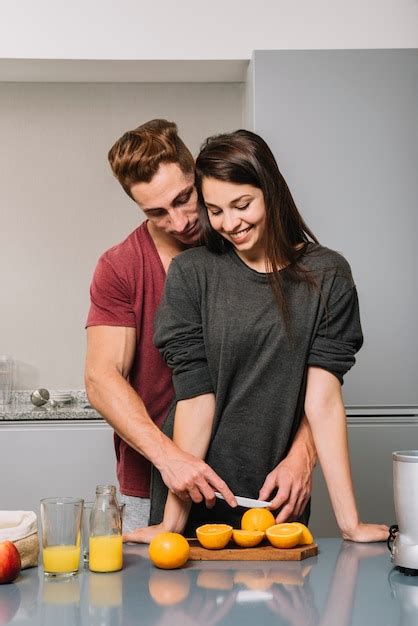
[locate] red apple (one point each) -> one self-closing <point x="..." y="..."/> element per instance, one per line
<point x="10" y="563"/>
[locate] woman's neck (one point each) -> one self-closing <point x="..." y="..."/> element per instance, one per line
<point x="256" y="261"/>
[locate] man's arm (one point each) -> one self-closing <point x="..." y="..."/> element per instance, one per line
<point x="110" y="354"/>
<point x="192" y="432"/>
<point x="292" y="477"/>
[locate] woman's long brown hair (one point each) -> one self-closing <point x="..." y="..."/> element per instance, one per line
<point x="244" y="158"/>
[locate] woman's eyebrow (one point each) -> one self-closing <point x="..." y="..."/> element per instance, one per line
<point x="234" y="201"/>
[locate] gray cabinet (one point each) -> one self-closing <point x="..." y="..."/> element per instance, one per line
<point x="371" y="445"/>
<point x="343" y="125"/>
<point x="42" y="459"/>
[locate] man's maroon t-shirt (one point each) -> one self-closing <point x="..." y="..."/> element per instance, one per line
<point x="126" y="290"/>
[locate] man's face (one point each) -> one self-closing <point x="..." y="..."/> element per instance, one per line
<point x="169" y="201"/>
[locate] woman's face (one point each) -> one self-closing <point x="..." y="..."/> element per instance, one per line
<point x="238" y="213"/>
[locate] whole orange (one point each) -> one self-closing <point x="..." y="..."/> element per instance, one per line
<point x="169" y="550"/>
<point x="257" y="519"/>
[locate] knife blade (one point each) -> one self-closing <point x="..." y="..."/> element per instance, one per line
<point x="248" y="503"/>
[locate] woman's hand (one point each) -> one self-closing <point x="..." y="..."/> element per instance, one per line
<point x="365" y="533"/>
<point x="146" y="534"/>
<point x="292" y="478"/>
<point x="175" y="517"/>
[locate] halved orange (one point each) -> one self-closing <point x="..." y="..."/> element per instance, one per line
<point x="247" y="538"/>
<point x="257" y="519"/>
<point x="307" y="537"/>
<point x="284" y="535"/>
<point x="214" y="536"/>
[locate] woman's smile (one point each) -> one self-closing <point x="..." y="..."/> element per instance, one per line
<point x="241" y="235"/>
<point x="238" y="213"/>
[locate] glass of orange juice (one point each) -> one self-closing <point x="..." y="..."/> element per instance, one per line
<point x="61" y="536"/>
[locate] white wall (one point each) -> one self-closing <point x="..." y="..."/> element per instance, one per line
<point x="133" y="29"/>
<point x="61" y="207"/>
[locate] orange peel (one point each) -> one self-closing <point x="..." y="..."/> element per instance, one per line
<point x="257" y="519"/>
<point x="307" y="537"/>
<point x="247" y="538"/>
<point x="169" y="550"/>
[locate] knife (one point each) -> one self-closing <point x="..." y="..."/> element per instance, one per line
<point x="248" y="503"/>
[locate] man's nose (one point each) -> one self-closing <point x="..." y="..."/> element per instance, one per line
<point x="179" y="220"/>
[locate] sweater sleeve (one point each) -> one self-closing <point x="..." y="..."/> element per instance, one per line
<point x="178" y="335"/>
<point x="339" y="336"/>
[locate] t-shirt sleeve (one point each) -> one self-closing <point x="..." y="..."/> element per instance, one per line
<point x="178" y="334"/>
<point x="110" y="299"/>
<point x="339" y="335"/>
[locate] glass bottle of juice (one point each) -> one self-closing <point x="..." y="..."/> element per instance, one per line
<point x="105" y="540"/>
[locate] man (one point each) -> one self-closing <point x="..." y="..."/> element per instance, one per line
<point x="127" y="380"/>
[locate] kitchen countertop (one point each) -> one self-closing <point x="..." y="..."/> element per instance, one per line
<point x="28" y="412"/>
<point x="22" y="410"/>
<point x="347" y="584"/>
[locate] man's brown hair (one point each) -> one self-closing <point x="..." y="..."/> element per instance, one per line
<point x="137" y="155"/>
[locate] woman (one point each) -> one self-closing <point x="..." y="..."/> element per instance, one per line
<point x="259" y="326"/>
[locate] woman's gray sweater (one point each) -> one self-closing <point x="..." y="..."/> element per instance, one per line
<point x="220" y="330"/>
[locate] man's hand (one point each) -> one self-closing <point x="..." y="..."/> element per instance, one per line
<point x="181" y="463"/>
<point x="293" y="480"/>
<point x="190" y="478"/>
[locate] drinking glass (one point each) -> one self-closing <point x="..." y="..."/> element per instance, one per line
<point x="61" y="535"/>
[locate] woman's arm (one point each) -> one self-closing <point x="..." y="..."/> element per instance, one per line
<point x="324" y="409"/>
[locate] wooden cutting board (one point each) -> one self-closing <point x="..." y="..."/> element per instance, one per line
<point x="263" y="552"/>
